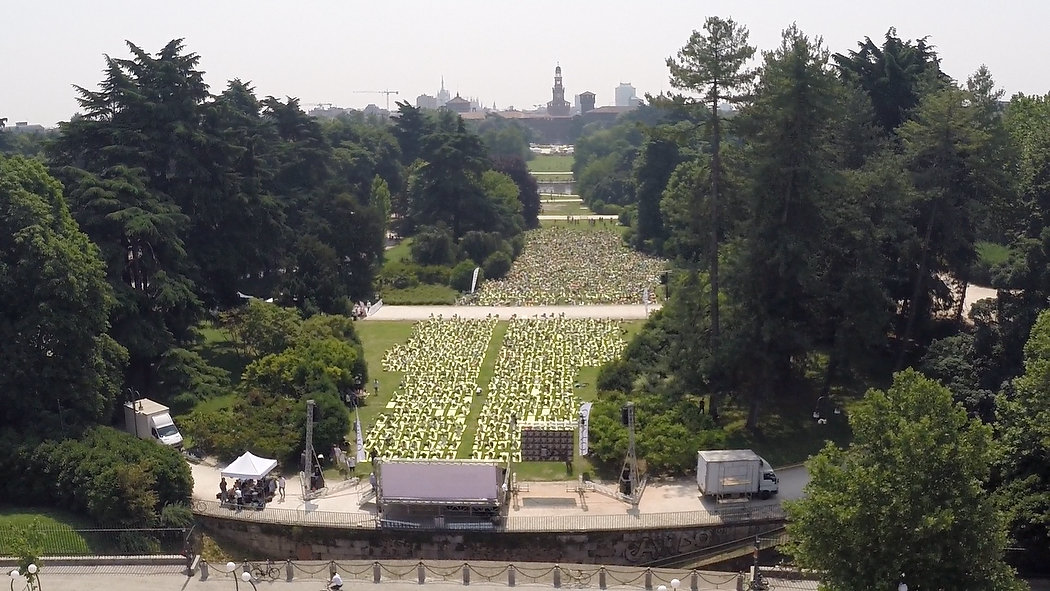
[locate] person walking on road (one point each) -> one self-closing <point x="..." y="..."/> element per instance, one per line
<point x="280" y="486"/>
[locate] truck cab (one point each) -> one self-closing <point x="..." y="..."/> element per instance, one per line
<point x="770" y="483"/>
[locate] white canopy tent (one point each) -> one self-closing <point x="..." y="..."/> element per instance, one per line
<point x="249" y="466"/>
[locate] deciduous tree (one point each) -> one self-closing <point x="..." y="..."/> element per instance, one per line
<point x="905" y="497"/>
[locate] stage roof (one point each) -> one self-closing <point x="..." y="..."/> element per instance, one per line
<point x="435" y="482"/>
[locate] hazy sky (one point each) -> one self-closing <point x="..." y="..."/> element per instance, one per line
<point x="501" y="52"/>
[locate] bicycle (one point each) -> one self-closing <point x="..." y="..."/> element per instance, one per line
<point x="580" y="579"/>
<point x="268" y="571"/>
<point x="759" y="583"/>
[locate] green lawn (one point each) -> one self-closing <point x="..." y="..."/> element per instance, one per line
<point x="425" y="294"/>
<point x="218" y="350"/>
<point x="58" y="537"/>
<point x="788" y="434"/>
<point x="992" y="254"/>
<point x="564" y="208"/>
<point x="559" y="177"/>
<point x="402" y="251"/>
<point x="550" y="163"/>
<point x="377" y="337"/>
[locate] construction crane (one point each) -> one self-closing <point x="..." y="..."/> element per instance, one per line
<point x="386" y="92"/>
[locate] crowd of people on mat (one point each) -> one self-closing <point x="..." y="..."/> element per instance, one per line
<point x="534" y="379"/>
<point x="561" y="265"/>
<point x="427" y="414"/>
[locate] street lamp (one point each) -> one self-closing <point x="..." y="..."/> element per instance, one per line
<point x="31" y="575"/>
<point x="818" y="415"/>
<point x="675" y="583"/>
<point x="247" y="578"/>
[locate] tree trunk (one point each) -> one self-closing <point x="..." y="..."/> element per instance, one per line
<point x="752" y="414"/>
<point x="920" y="281"/>
<point x="716" y="172"/>
<point x="829" y="373"/>
<point x="960" y="306"/>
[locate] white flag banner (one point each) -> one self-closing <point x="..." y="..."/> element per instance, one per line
<point x="474" y="280"/>
<point x="585" y="424"/>
<point x="361" y="457"/>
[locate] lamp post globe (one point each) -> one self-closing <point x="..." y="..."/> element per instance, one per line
<point x="675" y="583"/>
<point x="662" y="588"/>
<point x="246" y="576"/>
<point x="32" y="568"/>
<point x="230" y="566"/>
<point x="14" y="574"/>
<point x="902" y="587"/>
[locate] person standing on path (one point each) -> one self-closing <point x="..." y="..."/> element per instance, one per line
<point x="280" y="486"/>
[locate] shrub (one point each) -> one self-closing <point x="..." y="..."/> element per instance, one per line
<point x="328" y="365"/>
<point x="399" y="275"/>
<point x="422" y="295"/>
<point x="263" y="424"/>
<point x="517" y="244"/>
<point x="114" y="477"/>
<point x="480" y="245"/>
<point x="497" y="265"/>
<point x="463" y="275"/>
<point x="434" y="274"/>
<point x="433" y="245"/>
<point x="262" y="328"/>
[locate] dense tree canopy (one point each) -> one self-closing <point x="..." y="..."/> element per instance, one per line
<point x="60" y="365"/>
<point x="905" y="497"/>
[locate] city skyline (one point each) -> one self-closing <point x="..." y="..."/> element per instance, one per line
<point x="500" y="52"/>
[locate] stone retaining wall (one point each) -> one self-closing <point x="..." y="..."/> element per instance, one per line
<point x="609" y="547"/>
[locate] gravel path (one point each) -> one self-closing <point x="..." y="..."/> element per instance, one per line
<point x="623" y="311"/>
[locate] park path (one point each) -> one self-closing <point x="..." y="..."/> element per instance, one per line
<point x="616" y="312"/>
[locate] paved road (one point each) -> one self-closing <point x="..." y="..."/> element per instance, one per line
<point x="578" y="217"/>
<point x="625" y="312"/>
<point x="170" y="578"/>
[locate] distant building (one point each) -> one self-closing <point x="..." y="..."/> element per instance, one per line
<point x="25" y="127"/>
<point x="625" y="95"/>
<point x="458" y="105"/>
<point x="558" y="106"/>
<point x="425" y="101"/>
<point x="586" y="101"/>
<point x="443" y="95"/>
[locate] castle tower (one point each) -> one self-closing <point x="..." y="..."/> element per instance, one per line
<point x="558" y="106"/>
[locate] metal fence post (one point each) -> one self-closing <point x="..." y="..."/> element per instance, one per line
<point x="510" y="576"/>
<point x="289" y="570"/>
<point x="466" y="573"/>
<point x="421" y="573"/>
<point x="204" y="570"/>
<point x="649" y="579"/>
<point x="694" y="581"/>
<point x="740" y="582"/>
<point x="377" y="572"/>
<point x="602" y="583"/>
<point x="557" y="577"/>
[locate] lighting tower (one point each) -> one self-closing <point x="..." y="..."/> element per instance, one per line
<point x="629" y="484"/>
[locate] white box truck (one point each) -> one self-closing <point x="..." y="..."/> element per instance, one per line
<point x="731" y="472"/>
<point x="147" y="419"/>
